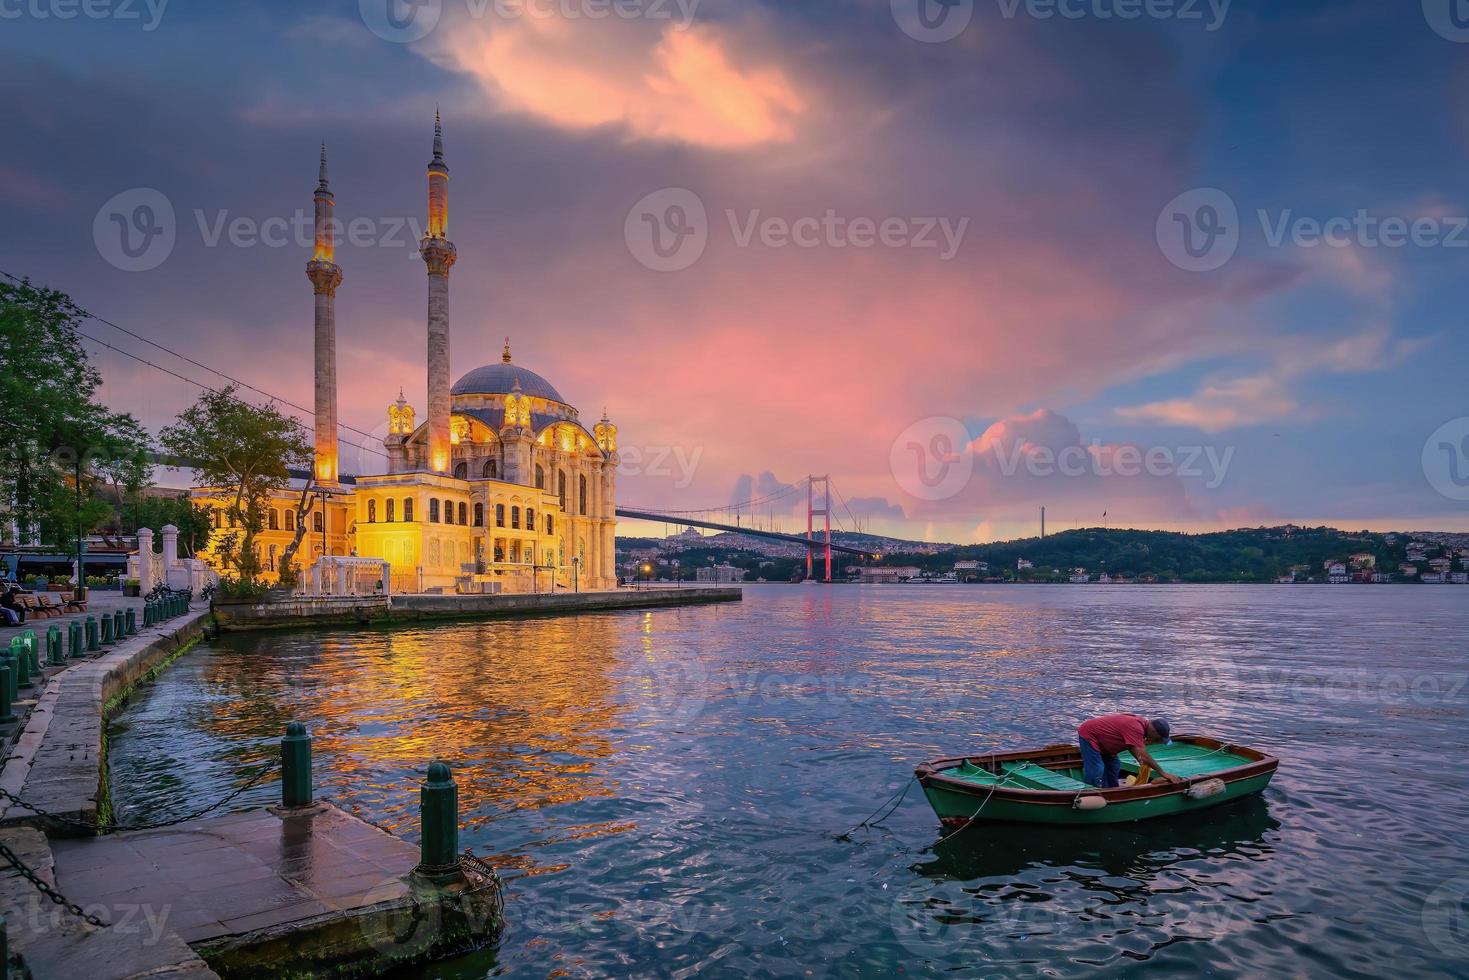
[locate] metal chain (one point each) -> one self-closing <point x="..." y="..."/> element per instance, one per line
<point x="47" y="890"/>
<point x="254" y="780"/>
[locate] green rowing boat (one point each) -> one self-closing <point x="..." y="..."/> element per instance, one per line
<point x="1045" y="785"/>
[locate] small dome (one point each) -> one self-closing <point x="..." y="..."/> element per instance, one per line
<point x="499" y="379"/>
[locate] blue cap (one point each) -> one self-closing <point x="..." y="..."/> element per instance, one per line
<point x="1161" y="726"/>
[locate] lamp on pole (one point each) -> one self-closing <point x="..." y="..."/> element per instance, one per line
<point x="576" y="573"/>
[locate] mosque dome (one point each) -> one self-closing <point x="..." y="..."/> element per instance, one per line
<point x="500" y="379"/>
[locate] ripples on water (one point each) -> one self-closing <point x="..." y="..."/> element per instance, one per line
<point x="666" y="787"/>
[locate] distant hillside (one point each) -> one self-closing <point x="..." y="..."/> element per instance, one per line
<point x="1244" y="555"/>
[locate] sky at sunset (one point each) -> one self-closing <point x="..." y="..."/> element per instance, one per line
<point x="1194" y="271"/>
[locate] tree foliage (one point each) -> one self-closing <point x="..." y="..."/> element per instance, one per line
<point x="61" y="446"/>
<point x="245" y="451"/>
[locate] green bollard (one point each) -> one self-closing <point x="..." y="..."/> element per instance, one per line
<point x="106" y="630"/>
<point x="22" y="661"/>
<point x="438" y="802"/>
<point x="7" y="714"/>
<point x="147" y="614"/>
<point x="54" y="656"/>
<point x="119" y="626"/>
<point x="296" y="766"/>
<point x="12" y="676"/>
<point x="93" y="645"/>
<point x="132" y="621"/>
<point x="33" y="652"/>
<point x="74" y="644"/>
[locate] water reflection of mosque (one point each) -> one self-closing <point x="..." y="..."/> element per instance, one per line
<point x="520" y="709"/>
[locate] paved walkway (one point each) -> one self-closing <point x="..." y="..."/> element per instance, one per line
<point x="98" y="602"/>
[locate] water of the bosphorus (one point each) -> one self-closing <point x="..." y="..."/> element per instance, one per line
<point x="664" y="790"/>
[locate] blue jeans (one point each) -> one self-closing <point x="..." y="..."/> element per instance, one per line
<point x="1098" y="769"/>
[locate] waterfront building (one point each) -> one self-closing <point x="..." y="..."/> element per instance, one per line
<point x="723" y="574"/>
<point x="499" y="487"/>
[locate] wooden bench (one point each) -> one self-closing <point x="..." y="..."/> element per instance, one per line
<point x="70" y="602"/>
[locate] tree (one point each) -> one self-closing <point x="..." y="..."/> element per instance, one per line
<point x="244" y="451"/>
<point x="60" y="442"/>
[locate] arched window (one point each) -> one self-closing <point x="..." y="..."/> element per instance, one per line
<point x="275" y="520"/>
<point x="581" y="493"/>
<point x="270" y="562"/>
<point x="550" y="526"/>
<point x="390" y="517"/>
<point x="407" y="508"/>
<point x="479" y="514"/>
<point x="463" y="512"/>
<point x="461" y="471"/>
<point x="540" y="477"/>
<point x="491" y="471"/>
<point x="448" y="512"/>
<point x="499" y="515"/>
<point x="530" y="518"/>
<point x="561" y="488"/>
<point x="515" y="517"/>
<point x="372" y="512"/>
<point x="290" y="520"/>
<point x="318" y="522"/>
<point x="433" y="514"/>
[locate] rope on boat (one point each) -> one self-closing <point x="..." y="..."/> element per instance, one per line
<point x="973" y="816"/>
<point x="896" y="800"/>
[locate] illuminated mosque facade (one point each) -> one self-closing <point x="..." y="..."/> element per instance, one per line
<point x="499" y="486"/>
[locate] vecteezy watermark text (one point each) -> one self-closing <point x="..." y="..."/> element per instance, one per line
<point x="935" y="21"/>
<point x="405" y="21"/>
<point x="668" y="230"/>
<point x="148" y="12"/>
<point x="1200" y="230"/>
<point x="137" y="229"/>
<point x="660" y="462"/>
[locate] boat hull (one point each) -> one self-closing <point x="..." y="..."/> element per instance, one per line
<point x="958" y="801"/>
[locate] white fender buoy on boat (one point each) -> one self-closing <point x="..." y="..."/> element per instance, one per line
<point x="1205" y="789"/>
<point x="1089" y="803"/>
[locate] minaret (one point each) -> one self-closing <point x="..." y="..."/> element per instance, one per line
<point x="325" y="277"/>
<point x="438" y="254"/>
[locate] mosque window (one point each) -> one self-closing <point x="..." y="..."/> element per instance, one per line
<point x="492" y="471"/>
<point x="463" y="513"/>
<point x="390" y="516"/>
<point x="582" y="494"/>
<point x="499" y="515"/>
<point x="461" y="471"/>
<point x="530" y="519"/>
<point x="448" y="512"/>
<point x="540" y="477"/>
<point x="550" y="526"/>
<point x="433" y="511"/>
<point x="515" y="518"/>
<point x="372" y="512"/>
<point x="479" y="515"/>
<point x="408" y="508"/>
<point x="561" y="488"/>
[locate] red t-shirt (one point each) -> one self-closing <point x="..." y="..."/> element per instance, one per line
<point x="1114" y="734"/>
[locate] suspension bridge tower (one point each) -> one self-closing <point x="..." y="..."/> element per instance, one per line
<point x="812" y="512"/>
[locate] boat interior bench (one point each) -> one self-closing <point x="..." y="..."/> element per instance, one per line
<point x="1032" y="776"/>
<point x="1183" y="759"/>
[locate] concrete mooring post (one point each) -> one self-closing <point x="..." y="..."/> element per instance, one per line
<point x="438" y="856"/>
<point x="296" y="766"/>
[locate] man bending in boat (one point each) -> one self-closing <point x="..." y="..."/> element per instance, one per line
<point x="1103" y="739"/>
